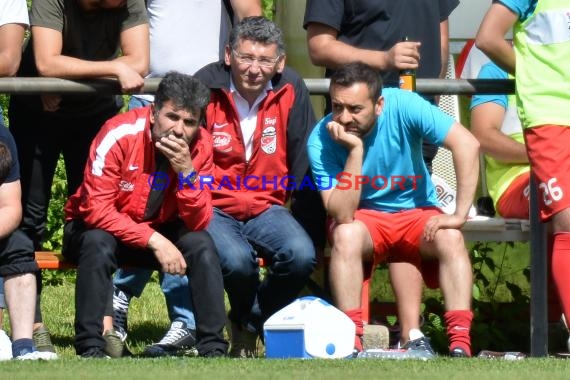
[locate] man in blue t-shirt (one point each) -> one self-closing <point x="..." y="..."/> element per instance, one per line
<point x="367" y="161"/>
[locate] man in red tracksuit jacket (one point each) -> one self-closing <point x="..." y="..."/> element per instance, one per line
<point x="260" y="117"/>
<point x="138" y="206"/>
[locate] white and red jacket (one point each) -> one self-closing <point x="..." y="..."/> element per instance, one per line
<point x="118" y="178"/>
<point x="285" y="119"/>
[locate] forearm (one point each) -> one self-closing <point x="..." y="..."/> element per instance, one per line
<point x="466" y="163"/>
<point x="246" y="8"/>
<point x="344" y="199"/>
<point x="444" y="43"/>
<point x="62" y="66"/>
<point x="10" y="218"/>
<point x="334" y="54"/>
<point x="503" y="148"/>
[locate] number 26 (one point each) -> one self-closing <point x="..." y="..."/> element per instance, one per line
<point x="551" y="189"/>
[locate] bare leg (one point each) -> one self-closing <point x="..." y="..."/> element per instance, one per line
<point x="21" y="301"/>
<point x="407" y="284"/>
<point x="455" y="272"/>
<point x="351" y="243"/>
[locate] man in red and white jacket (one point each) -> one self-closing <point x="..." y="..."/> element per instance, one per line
<point x="260" y="117"/>
<point x="138" y="206"/>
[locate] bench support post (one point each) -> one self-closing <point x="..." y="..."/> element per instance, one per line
<point x="538" y="278"/>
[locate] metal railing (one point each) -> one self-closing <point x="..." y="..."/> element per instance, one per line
<point x="318" y="86"/>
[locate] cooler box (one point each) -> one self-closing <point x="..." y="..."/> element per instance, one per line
<point x="309" y="328"/>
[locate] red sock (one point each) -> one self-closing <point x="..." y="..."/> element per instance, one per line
<point x="458" y="324"/>
<point x="356" y="316"/>
<point x="561" y="269"/>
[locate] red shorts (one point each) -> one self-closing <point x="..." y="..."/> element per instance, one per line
<point x="548" y="149"/>
<point x="514" y="201"/>
<point x="397" y="236"/>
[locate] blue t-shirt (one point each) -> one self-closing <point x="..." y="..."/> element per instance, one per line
<point x="393" y="163"/>
<point x="523" y="8"/>
<point x="6" y="138"/>
<point x="491" y="71"/>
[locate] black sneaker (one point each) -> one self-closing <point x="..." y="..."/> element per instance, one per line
<point x="458" y="352"/>
<point x="215" y="353"/>
<point x="179" y="340"/>
<point x="95" y="353"/>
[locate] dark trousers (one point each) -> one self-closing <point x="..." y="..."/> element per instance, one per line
<point x="17" y="255"/>
<point x="40" y="138"/>
<point x="98" y="254"/>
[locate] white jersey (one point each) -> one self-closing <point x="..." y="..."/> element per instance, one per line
<point x="185" y="35"/>
<point x="14" y="12"/>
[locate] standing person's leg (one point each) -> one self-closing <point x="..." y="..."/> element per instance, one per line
<point x="39" y="146"/>
<point x="94" y="251"/>
<point x="547" y="148"/>
<point x="291" y="255"/>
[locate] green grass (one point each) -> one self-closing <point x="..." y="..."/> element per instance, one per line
<point x="148" y="321"/>
<point x="194" y="368"/>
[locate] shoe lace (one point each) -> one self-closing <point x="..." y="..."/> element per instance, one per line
<point x="42" y="338"/>
<point x="120" y="312"/>
<point x="173" y="335"/>
<point x="113" y="343"/>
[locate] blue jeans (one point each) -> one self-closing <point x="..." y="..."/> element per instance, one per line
<point x="175" y="288"/>
<point x="279" y="239"/>
<point x="135" y="102"/>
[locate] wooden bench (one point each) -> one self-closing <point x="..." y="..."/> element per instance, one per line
<point x="56" y="261"/>
<point x="53" y="261"/>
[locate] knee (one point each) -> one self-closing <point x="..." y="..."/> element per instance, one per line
<point x="98" y="248"/>
<point x="198" y="249"/>
<point x="345" y="239"/>
<point x="449" y="243"/>
<point x="17" y="255"/>
<point x="299" y="256"/>
<point x="238" y="264"/>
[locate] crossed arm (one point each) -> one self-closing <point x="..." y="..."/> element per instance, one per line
<point x="130" y="68"/>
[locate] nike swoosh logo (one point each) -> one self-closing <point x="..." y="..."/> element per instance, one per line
<point x="133" y="167"/>
<point x="218" y="126"/>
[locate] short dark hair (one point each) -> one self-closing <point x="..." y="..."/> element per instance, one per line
<point x="358" y="72"/>
<point x="258" y="29"/>
<point x="6" y="161"/>
<point x="184" y="91"/>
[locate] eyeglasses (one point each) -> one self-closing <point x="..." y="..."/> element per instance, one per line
<point x="248" y="60"/>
